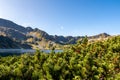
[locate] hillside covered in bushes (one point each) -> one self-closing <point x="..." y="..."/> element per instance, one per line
<point x="99" y="60"/>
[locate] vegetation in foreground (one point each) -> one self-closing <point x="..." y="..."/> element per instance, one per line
<point x="84" y="61"/>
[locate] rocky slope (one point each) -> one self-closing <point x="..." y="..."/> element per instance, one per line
<point x="37" y="38"/>
<point x="7" y="43"/>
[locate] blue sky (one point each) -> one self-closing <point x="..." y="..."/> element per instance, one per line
<point x="65" y="17"/>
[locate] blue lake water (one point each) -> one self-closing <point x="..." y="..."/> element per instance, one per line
<point x="21" y="51"/>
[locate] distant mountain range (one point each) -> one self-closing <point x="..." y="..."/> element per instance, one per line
<point x="27" y="37"/>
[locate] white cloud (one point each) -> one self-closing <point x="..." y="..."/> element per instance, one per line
<point x="61" y="27"/>
<point x="26" y="24"/>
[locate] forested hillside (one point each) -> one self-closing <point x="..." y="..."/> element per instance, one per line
<point x="99" y="60"/>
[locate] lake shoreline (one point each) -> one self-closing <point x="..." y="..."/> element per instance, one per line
<point x="23" y="51"/>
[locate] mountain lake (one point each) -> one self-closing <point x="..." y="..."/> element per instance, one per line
<point x="5" y="52"/>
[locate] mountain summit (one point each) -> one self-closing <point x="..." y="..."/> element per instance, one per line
<point x="37" y="38"/>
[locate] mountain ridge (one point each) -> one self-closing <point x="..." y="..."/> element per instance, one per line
<point x="38" y="38"/>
